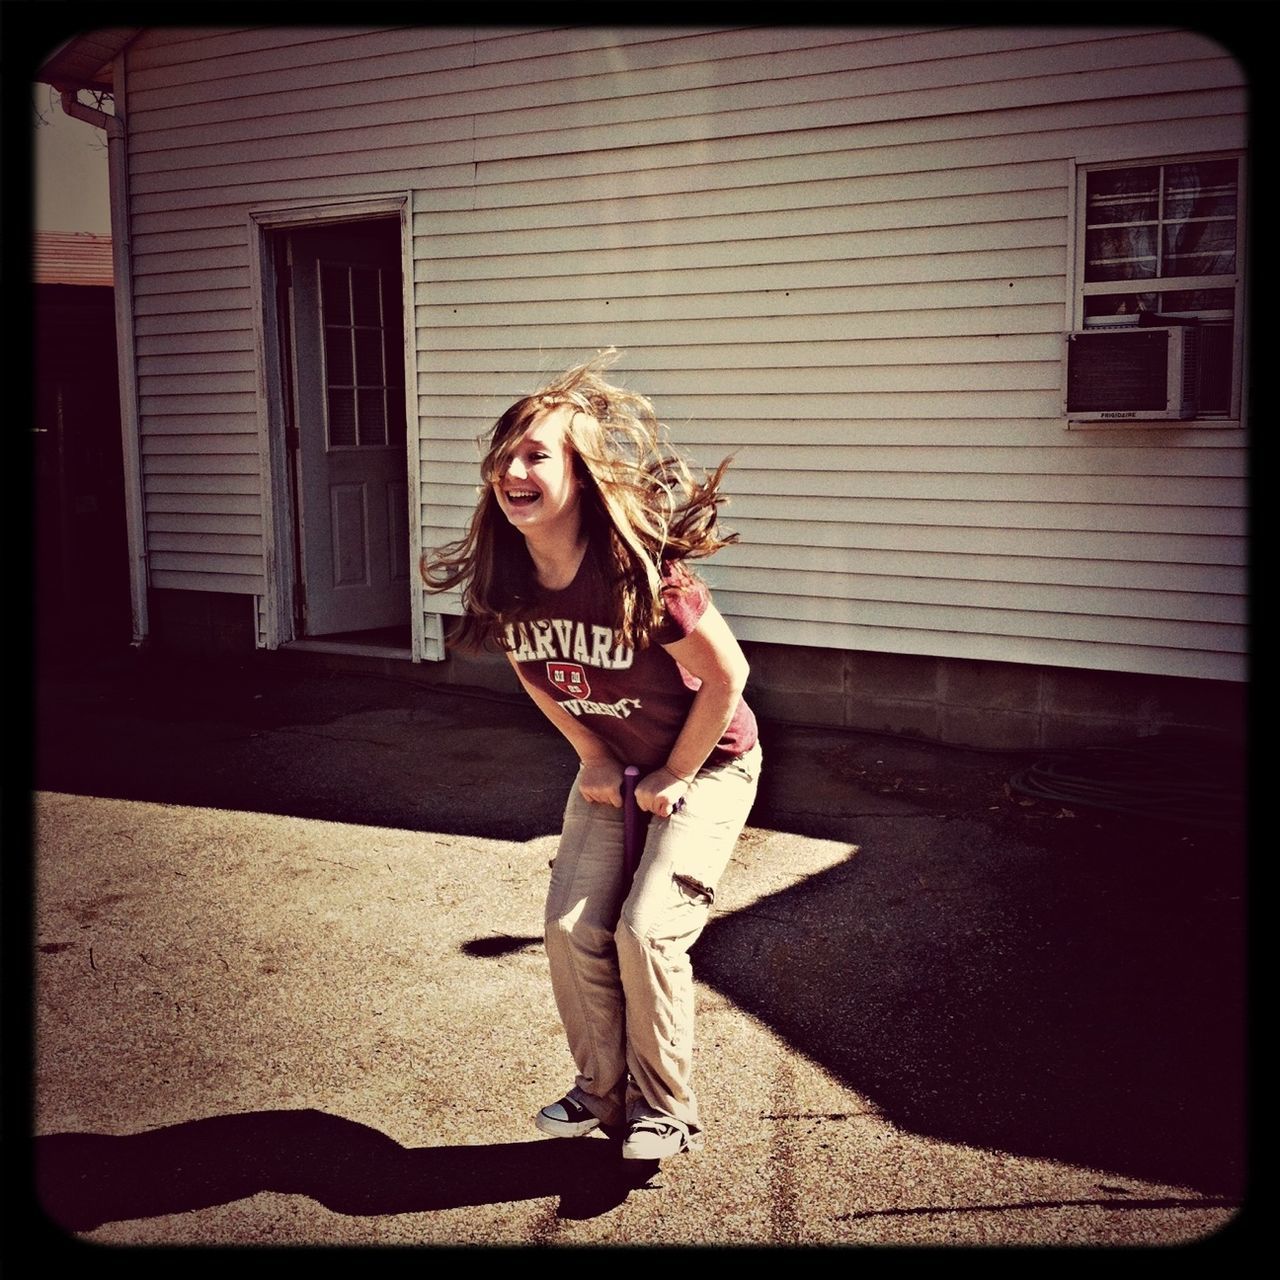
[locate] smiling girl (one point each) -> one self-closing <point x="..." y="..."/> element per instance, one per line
<point x="576" y="566"/>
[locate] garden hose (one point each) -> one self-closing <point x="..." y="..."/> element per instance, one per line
<point x="1190" y="781"/>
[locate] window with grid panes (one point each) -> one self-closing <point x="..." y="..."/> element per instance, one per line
<point x="364" y="387"/>
<point x="1162" y="243"/>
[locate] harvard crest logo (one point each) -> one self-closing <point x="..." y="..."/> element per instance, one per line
<point x="569" y="678"/>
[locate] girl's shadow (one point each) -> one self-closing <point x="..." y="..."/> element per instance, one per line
<point x="84" y="1179"/>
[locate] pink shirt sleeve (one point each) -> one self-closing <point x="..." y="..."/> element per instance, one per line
<point x="686" y="598"/>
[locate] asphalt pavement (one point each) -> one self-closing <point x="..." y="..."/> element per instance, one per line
<point x="289" y="989"/>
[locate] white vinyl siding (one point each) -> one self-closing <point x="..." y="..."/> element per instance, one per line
<point x="842" y="255"/>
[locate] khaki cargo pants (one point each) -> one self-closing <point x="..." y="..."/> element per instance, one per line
<point x="619" y="957"/>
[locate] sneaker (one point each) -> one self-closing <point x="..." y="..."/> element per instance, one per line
<point x="651" y="1139"/>
<point x="567" y="1118"/>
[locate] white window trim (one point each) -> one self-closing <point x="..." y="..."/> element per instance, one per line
<point x="1078" y="290"/>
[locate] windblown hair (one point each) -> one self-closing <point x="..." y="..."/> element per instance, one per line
<point x="641" y="507"/>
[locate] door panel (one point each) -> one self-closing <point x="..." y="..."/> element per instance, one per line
<point x="351" y="467"/>
<point x="348" y="530"/>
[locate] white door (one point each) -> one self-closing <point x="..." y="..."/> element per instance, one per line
<point x="352" y="486"/>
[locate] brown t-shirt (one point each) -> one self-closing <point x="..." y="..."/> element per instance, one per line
<point x="635" y="700"/>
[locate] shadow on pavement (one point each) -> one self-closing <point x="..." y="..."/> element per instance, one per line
<point x="1083" y="1004"/>
<point x="333" y="747"/>
<point x="1071" y="990"/>
<point x="84" y="1180"/>
<point x="502" y="944"/>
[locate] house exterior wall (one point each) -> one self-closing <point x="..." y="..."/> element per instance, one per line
<point x="841" y="254"/>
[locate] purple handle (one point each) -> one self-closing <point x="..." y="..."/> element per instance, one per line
<point x="630" y="820"/>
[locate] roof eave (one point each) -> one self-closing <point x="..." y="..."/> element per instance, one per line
<point x="87" y="61"/>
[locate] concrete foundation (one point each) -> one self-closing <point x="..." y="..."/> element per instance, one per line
<point x="1003" y="705"/>
<point x="991" y="705"/>
<point x="962" y="702"/>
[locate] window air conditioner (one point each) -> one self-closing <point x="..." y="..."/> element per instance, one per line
<point x="1132" y="374"/>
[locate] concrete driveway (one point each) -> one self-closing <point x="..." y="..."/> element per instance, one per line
<point x="290" y="989"/>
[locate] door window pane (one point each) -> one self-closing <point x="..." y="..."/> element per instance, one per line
<point x="334" y="295"/>
<point x="342" y="416"/>
<point x="363" y="377"/>
<point x="337" y="356"/>
<point x="366" y="295"/>
<point x="369" y="357"/>
<point x="372" y="409"/>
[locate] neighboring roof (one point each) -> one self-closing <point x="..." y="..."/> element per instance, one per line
<point x="85" y="61"/>
<point x="71" y="257"/>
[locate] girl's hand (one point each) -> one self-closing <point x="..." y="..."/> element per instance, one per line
<point x="601" y="783"/>
<point x="661" y="793"/>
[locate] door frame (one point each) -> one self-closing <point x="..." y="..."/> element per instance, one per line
<point x="277" y="612"/>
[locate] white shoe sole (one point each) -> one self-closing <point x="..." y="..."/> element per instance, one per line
<point x="564" y="1128"/>
<point x="655" y="1150"/>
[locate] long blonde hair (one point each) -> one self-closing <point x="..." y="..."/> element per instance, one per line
<point x="642" y="507"/>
